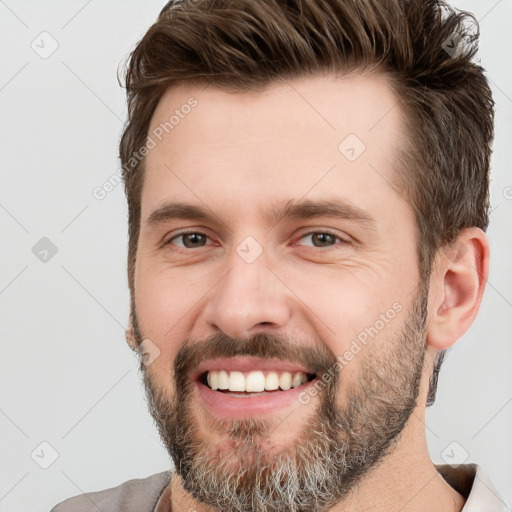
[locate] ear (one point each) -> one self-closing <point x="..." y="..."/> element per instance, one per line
<point x="457" y="285"/>
<point x="130" y="337"/>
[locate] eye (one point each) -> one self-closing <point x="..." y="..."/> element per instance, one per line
<point x="189" y="240"/>
<point x="322" y="239"/>
<point x="195" y="239"/>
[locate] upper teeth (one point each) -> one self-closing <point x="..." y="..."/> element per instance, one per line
<point x="254" y="381"/>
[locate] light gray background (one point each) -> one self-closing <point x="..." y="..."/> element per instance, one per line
<point x="67" y="376"/>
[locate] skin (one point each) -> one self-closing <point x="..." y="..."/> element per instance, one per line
<point x="238" y="155"/>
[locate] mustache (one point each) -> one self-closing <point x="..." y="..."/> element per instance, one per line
<point x="315" y="356"/>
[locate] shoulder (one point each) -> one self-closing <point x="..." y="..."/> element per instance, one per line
<point x="138" y="495"/>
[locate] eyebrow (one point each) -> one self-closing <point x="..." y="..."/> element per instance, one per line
<point x="308" y="209"/>
<point x="303" y="209"/>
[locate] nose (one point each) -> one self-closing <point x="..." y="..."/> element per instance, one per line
<point x="248" y="297"/>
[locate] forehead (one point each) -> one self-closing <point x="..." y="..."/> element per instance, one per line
<point x="305" y="136"/>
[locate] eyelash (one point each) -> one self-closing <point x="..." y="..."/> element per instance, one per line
<point x="322" y="232"/>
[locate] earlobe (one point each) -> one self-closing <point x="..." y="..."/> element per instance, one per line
<point x="459" y="280"/>
<point x="130" y="337"/>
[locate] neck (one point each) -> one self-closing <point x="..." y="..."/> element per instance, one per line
<point x="406" y="480"/>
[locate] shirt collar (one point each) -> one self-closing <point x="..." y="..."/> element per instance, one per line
<point x="472" y="482"/>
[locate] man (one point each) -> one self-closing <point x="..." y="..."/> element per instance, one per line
<point x="307" y="185"/>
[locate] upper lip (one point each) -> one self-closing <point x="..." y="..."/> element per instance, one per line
<point x="247" y="364"/>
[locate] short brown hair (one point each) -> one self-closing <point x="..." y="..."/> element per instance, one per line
<point x="425" y="46"/>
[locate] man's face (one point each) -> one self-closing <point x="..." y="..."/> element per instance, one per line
<point x="304" y="260"/>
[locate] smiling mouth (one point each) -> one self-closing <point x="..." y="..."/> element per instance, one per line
<point x="237" y="383"/>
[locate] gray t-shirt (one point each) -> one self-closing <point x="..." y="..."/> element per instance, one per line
<point x="150" y="494"/>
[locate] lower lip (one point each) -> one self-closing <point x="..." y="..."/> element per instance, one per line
<point x="228" y="406"/>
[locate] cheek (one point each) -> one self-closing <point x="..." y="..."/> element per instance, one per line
<point x="166" y="297"/>
<point x="355" y="318"/>
<point x="342" y="301"/>
<point x="163" y="309"/>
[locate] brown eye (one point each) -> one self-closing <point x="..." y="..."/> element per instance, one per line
<point x="191" y="240"/>
<point x="322" y="239"/>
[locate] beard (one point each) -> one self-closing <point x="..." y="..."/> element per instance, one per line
<point x="344" y="436"/>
